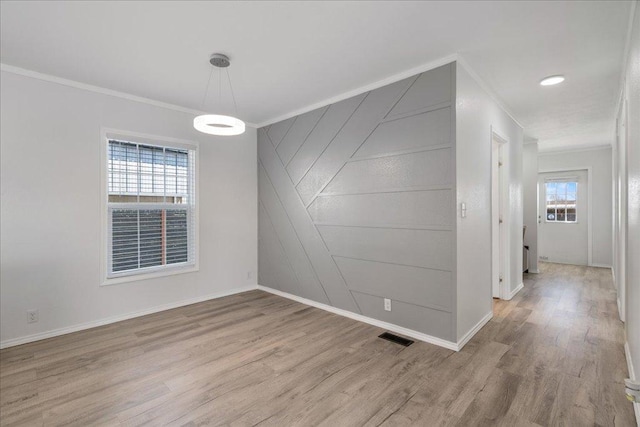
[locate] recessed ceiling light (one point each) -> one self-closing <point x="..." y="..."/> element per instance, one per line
<point x="552" y="80"/>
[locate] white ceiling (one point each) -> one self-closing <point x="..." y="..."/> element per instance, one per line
<point x="289" y="55"/>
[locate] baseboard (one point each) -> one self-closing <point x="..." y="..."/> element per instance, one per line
<point x="618" y="302"/>
<point x="632" y="375"/>
<point x="620" y="309"/>
<point x="579" y="265"/>
<point x="531" y="270"/>
<point x="365" y="319"/>
<point x="466" y="337"/>
<point x="599" y="265"/>
<point x="81" y="327"/>
<point x="513" y="293"/>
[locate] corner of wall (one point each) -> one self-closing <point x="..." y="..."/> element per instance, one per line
<point x="478" y="113"/>
<point x="530" y="200"/>
<point x="466" y="337"/>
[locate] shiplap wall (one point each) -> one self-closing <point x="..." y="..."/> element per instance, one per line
<point x="357" y="204"/>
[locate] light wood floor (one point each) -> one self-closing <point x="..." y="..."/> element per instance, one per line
<point x="551" y="356"/>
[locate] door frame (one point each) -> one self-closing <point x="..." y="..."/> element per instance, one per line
<point x="589" y="205"/>
<point x="620" y="201"/>
<point x="499" y="242"/>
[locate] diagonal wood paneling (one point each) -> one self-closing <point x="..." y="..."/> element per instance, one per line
<point x="308" y="283"/>
<point x="274" y="268"/>
<point x="430" y="88"/>
<point x="420" y="286"/>
<point x="314" y="249"/>
<point x="429" y="209"/>
<point x="365" y="119"/>
<point x="418" y="131"/>
<point x="321" y="136"/>
<point x="277" y="131"/>
<point x="358" y="203"/>
<point x="298" y="133"/>
<point x="419" y="248"/>
<point x="426" y="169"/>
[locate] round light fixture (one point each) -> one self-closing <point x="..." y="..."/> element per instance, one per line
<point x="215" y="124"/>
<point x="552" y="80"/>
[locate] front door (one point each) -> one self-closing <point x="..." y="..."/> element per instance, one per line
<point x="563" y="216"/>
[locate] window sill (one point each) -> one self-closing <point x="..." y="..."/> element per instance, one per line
<point x="150" y="275"/>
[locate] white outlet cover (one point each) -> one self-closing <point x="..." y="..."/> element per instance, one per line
<point x="387" y="304"/>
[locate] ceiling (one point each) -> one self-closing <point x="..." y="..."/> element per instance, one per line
<point x="287" y="56"/>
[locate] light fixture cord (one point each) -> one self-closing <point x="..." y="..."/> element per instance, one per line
<point x="235" y="106"/>
<point x="206" y="92"/>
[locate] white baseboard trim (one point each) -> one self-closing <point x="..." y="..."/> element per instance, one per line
<point x="619" y="303"/>
<point x="619" y="309"/>
<point x="365" y="319"/>
<point x="75" y="328"/>
<point x="531" y="270"/>
<point x="466" y="337"/>
<point x="513" y="293"/>
<point x="632" y="375"/>
<point x="599" y="265"/>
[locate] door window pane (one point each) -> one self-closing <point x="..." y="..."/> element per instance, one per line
<point x="561" y="201"/>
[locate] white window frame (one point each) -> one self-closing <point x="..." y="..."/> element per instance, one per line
<point x="107" y="134"/>
<point x="565" y="180"/>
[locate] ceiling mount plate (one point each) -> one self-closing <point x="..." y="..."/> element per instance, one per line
<point x="219" y="60"/>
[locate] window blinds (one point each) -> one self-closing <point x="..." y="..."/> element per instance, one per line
<point x="151" y="207"/>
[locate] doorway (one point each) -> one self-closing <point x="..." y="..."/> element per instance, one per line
<point x="499" y="242"/>
<point x="563" y="217"/>
<point x="620" y="219"/>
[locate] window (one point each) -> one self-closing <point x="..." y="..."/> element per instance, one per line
<point x="562" y="197"/>
<point x="150" y="207"/>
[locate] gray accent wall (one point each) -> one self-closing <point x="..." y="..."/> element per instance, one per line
<point x="357" y="204"/>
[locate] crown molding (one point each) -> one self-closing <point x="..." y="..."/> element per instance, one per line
<point x="542" y="152"/>
<point x="362" y="89"/>
<point x="488" y="89"/>
<point x="101" y="90"/>
<point x="328" y="101"/>
<point x="625" y="54"/>
<point x="456" y="57"/>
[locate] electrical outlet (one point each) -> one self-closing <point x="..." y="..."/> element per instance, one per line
<point x="249" y="275"/>
<point x="387" y="304"/>
<point x="32" y="316"/>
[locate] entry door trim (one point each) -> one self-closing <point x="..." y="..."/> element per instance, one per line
<point x="589" y="205"/>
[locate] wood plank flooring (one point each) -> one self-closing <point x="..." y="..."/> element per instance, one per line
<point x="552" y="356"/>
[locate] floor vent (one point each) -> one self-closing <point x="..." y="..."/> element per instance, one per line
<point x="396" y="339"/>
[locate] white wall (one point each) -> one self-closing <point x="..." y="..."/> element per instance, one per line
<point x="631" y="187"/>
<point x="51" y="214"/>
<point x="476" y="114"/>
<point x="601" y="196"/>
<point x="530" y="201"/>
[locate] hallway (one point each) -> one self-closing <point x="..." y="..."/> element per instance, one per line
<point x="566" y="348"/>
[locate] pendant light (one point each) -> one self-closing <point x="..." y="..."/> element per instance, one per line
<point x="216" y="124"/>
